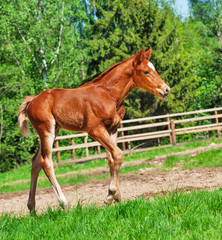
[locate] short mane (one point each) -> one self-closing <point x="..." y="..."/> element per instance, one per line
<point x="107" y="71"/>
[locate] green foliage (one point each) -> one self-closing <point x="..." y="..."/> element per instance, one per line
<point x="123" y="32"/>
<point x="196" y="215"/>
<point x="41" y="48"/>
<point x="48" y="44"/>
<point x="206" y="28"/>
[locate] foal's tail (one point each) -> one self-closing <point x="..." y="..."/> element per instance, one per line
<point x="22" y="117"/>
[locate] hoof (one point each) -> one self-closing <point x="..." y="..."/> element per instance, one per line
<point x="109" y="199"/>
<point x="32" y="213"/>
<point x="31" y="208"/>
<point x="116" y="196"/>
<point x="63" y="203"/>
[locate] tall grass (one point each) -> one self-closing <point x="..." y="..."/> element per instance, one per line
<point x="178" y="216"/>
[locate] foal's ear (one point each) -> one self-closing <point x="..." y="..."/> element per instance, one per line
<point x="148" y="54"/>
<point x="139" y="58"/>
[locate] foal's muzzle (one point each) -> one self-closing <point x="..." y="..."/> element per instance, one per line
<point x="164" y="90"/>
<point x="167" y="91"/>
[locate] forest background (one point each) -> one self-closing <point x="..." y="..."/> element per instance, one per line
<point x="62" y="44"/>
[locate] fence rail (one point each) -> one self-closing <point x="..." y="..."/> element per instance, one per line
<point x="170" y="128"/>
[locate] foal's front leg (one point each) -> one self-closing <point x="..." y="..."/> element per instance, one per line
<point x="111" y="163"/>
<point x="115" y="159"/>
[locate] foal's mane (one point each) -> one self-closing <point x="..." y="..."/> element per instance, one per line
<point x="107" y="71"/>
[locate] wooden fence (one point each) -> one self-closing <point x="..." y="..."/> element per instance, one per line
<point x="144" y="129"/>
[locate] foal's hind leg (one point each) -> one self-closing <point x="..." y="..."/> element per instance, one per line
<point x="34" y="176"/>
<point x="47" y="165"/>
<point x="36" y="167"/>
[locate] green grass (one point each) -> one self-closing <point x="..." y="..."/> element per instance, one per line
<point x="178" y="216"/>
<point x="211" y="158"/>
<point x="23" y="172"/>
<point x="158" y="152"/>
<point x="135" y="168"/>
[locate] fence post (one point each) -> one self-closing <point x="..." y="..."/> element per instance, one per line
<point x="99" y="149"/>
<point x="57" y="153"/>
<point x="158" y="142"/>
<point x="129" y="147"/>
<point x="173" y="132"/>
<point x="217" y="121"/>
<point x="85" y="141"/>
<point x="122" y="134"/>
<point x="73" y="150"/>
<point x="169" y="128"/>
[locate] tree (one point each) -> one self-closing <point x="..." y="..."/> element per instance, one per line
<point x="206" y="24"/>
<point x="209" y="13"/>
<point x="122" y="28"/>
<point x="41" y="47"/>
<point x="44" y="40"/>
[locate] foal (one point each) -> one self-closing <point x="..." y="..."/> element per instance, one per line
<point x="96" y="107"/>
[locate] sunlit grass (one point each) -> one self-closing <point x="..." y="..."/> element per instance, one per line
<point x="211" y="158"/>
<point x="178" y="215"/>
<point x="23" y="172"/>
<point x="177" y="148"/>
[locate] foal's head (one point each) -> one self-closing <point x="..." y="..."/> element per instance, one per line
<point x="145" y="75"/>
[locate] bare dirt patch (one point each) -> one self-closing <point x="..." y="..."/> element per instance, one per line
<point x="146" y="182"/>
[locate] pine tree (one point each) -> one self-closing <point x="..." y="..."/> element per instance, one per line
<point x="121" y="29"/>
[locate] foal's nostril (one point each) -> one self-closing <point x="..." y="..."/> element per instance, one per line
<point x="164" y="90"/>
<point x="167" y="91"/>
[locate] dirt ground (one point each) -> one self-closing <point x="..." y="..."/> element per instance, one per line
<point x="144" y="183"/>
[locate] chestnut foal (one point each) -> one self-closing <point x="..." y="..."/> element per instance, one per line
<point x="96" y="107"/>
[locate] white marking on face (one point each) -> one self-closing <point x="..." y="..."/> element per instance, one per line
<point x="151" y="66"/>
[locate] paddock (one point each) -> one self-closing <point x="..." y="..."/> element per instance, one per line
<point x="146" y="182"/>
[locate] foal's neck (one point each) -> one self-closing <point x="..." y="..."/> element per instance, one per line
<point x="119" y="82"/>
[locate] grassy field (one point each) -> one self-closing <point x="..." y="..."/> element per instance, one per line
<point x="212" y="158"/>
<point x="179" y="215"/>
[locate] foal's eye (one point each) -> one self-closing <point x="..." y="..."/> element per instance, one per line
<point x="146" y="72"/>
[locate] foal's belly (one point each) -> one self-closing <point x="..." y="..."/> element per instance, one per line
<point x="73" y="121"/>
